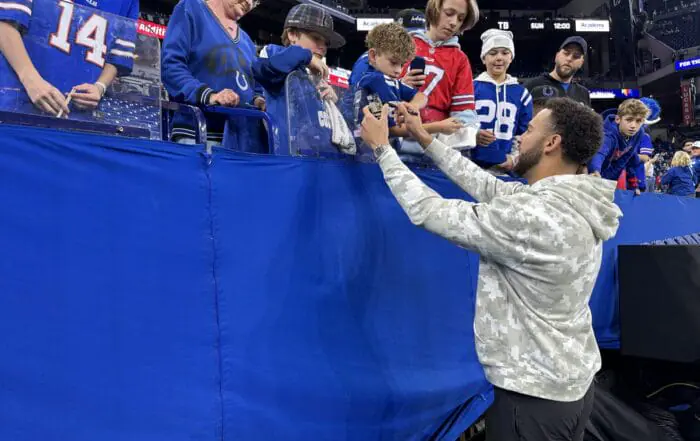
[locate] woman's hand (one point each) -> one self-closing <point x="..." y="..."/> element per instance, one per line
<point x="260" y="103"/>
<point x="226" y="98"/>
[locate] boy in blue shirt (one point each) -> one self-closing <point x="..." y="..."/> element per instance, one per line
<point x="308" y="34"/>
<point x="411" y="19"/>
<point x="621" y="143"/>
<point x="390" y="48"/>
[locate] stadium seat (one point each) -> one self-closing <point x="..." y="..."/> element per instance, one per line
<point x="240" y="135"/>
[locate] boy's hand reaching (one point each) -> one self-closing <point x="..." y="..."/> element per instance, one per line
<point x="318" y="67"/>
<point x="450" y="126"/>
<point x="485" y="137"/>
<point x="326" y="91"/>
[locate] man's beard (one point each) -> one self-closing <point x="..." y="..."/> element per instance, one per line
<point x="565" y="76"/>
<point x="527" y="160"/>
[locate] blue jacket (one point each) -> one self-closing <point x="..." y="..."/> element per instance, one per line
<point x="201" y="58"/>
<point x="309" y="125"/>
<point x="680" y="181"/>
<point x="617" y="153"/>
<point x="636" y="176"/>
<point x="504" y="109"/>
<point x="359" y="69"/>
<point x="375" y="84"/>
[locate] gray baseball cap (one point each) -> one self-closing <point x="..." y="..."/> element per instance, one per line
<point x="315" y="19"/>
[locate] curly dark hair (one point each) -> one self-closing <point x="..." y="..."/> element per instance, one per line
<point x="581" y="129"/>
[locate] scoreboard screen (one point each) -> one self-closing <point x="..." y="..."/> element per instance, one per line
<point x="557" y="25"/>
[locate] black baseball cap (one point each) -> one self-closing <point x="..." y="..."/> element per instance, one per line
<point x="545" y="92"/>
<point x="315" y="19"/>
<point x="576" y="40"/>
<point x="411" y="19"/>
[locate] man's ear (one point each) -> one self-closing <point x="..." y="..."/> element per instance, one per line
<point x="617" y="119"/>
<point x="552" y="143"/>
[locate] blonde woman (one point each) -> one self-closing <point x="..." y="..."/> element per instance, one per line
<point x="679" y="178"/>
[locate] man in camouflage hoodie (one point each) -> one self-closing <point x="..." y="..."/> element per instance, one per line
<point x="541" y="247"/>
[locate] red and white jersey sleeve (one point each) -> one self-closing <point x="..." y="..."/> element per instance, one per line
<point x="449" y="83"/>
<point x="463" y="90"/>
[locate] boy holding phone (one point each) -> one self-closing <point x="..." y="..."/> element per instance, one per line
<point x="390" y="48"/>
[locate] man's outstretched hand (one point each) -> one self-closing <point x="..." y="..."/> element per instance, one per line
<point x="375" y="132"/>
<point x="410" y="117"/>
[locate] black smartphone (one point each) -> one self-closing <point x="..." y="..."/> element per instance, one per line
<point x="418" y="63"/>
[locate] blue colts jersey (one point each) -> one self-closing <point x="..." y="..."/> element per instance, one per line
<point x="504" y="109"/>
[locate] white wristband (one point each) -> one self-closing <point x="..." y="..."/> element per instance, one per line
<point x="102" y="87"/>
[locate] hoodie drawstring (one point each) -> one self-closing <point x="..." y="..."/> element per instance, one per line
<point x="498" y="107"/>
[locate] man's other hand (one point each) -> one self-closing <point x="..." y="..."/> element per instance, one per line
<point x="375" y="132"/>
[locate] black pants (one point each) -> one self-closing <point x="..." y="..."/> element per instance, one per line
<point x="517" y="417"/>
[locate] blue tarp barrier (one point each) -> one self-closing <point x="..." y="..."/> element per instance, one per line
<point x="150" y="292"/>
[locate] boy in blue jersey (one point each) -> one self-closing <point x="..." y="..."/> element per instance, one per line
<point x="503" y="106"/>
<point x="621" y="144"/>
<point x="308" y="34"/>
<point x="390" y="48"/>
<point x="411" y="19"/>
<point x="207" y="60"/>
<point x="50" y="49"/>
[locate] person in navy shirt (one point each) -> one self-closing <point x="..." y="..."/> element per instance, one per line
<point x="207" y="60"/>
<point x="679" y="179"/>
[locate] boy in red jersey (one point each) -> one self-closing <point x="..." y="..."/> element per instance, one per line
<point x="447" y="79"/>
